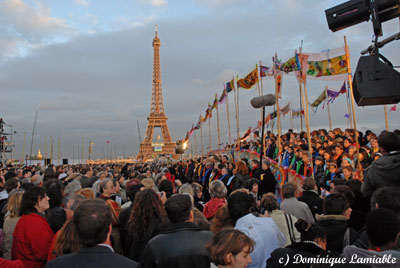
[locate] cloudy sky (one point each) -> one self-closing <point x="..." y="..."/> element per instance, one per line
<point x="86" y="65"/>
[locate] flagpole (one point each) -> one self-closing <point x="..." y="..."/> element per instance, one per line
<point x="262" y="89"/>
<point x="51" y="149"/>
<point x="237" y="110"/>
<point x="349" y="111"/>
<point x="219" y="135"/>
<point x="201" y="137"/>
<point x="58" y="150"/>
<point x="209" y="133"/>
<point x="386" y="117"/>
<point x="45" y="149"/>
<point x="291" y="116"/>
<point x="307" y="121"/>
<point x="349" y="77"/>
<point x="227" y="114"/>
<point x="23" y="150"/>
<point x="329" y="109"/>
<point x="195" y="144"/>
<point x="278" y="111"/>
<point x="301" y="94"/>
<point x="259" y="89"/>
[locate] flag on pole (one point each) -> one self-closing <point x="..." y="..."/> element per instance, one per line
<point x="296" y="113"/>
<point x="266" y="71"/>
<point x="319" y="100"/>
<point x="222" y="98"/>
<point x="286" y="109"/>
<point x="329" y="64"/>
<point x="230" y="86"/>
<point x="291" y="65"/>
<point x="393" y="108"/>
<point x="332" y="95"/>
<point x="347" y="116"/>
<point x="249" y="80"/>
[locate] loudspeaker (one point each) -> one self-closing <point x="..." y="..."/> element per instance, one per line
<point x="65" y="161"/>
<point x="47" y="161"/>
<point x="375" y="82"/>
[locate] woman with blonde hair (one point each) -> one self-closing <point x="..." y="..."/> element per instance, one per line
<point x="11" y="219"/>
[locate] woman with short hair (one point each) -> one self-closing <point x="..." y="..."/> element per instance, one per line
<point x="230" y="248"/>
<point x="32" y="235"/>
<point x="218" y="193"/>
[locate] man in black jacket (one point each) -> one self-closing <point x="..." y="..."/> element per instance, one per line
<point x="92" y="220"/>
<point x="182" y="244"/>
<point x="310" y="196"/>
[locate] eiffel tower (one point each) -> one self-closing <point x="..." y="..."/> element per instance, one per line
<point x="150" y="148"/>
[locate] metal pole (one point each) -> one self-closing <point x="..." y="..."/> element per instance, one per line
<point x="33" y="133"/>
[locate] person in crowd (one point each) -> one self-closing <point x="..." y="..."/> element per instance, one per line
<point x="384" y="171"/>
<point x="359" y="207"/>
<point x="383" y="230"/>
<point x="66" y="240"/>
<point x="86" y="179"/>
<point x="293" y="206"/>
<point x="222" y="220"/>
<point x="337" y="212"/>
<point x="182" y="243"/>
<point x="255" y="171"/>
<point x="312" y="245"/>
<point x="240" y="176"/>
<point x="32" y="235"/>
<point x="11" y="219"/>
<point x="267" y="180"/>
<point x="218" y="193"/>
<point x="310" y="196"/>
<point x="284" y="221"/>
<point x="93" y="223"/>
<point x="262" y="230"/>
<point x="147" y="220"/>
<point x="230" y="248"/>
<point x="385" y="197"/>
<point x="55" y="214"/>
<point x="319" y="172"/>
<point x="198" y="195"/>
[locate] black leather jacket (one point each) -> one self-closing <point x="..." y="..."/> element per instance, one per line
<point x="180" y="245"/>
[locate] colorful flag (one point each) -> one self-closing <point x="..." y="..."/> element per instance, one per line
<point x="215" y="102"/>
<point x="296" y="113"/>
<point x="291" y="65"/>
<point x="331" y="62"/>
<point x="222" y="98"/>
<point x="302" y="74"/>
<point x="230" y="86"/>
<point x="332" y="95"/>
<point x="347" y="116"/>
<point x="393" y="108"/>
<point x="266" y="71"/>
<point x="246" y="135"/>
<point x="319" y="100"/>
<point x="249" y="81"/>
<point x="278" y="81"/>
<point x="284" y="110"/>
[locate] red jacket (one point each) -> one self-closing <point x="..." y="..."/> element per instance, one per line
<point x="32" y="239"/>
<point x="212" y="206"/>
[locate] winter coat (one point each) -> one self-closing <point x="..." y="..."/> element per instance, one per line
<point x="319" y="175"/>
<point x="360" y="209"/>
<point x="238" y="181"/>
<point x="298" y="209"/>
<point x="335" y="227"/>
<point x="286" y="225"/>
<point x="136" y="242"/>
<point x="8" y="229"/>
<point x="314" y="202"/>
<point x="212" y="206"/>
<point x="381" y="173"/>
<point x="267" y="183"/>
<point x="255" y="173"/>
<point x="304" y="249"/>
<point x="31" y="241"/>
<point x="181" y="245"/>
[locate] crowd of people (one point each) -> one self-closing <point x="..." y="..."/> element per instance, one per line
<point x="212" y="211"/>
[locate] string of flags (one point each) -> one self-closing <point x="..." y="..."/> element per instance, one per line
<point x="329" y="64"/>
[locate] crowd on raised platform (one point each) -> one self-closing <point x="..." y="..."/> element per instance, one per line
<point x="212" y="211"/>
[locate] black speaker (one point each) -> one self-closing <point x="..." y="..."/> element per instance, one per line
<point x="375" y="82"/>
<point x="47" y="161"/>
<point x="65" y="161"/>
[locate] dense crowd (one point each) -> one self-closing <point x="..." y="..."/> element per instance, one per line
<point x="212" y="211"/>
